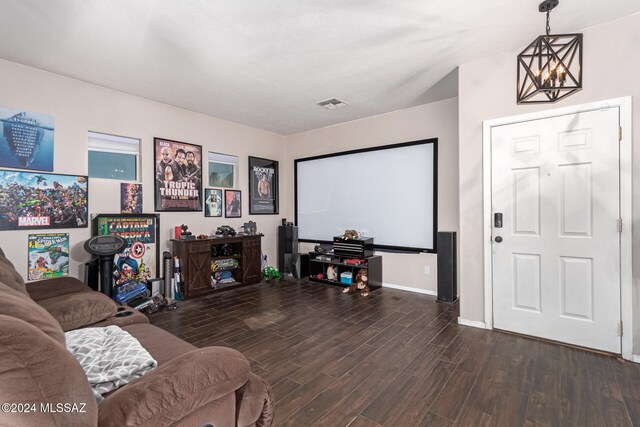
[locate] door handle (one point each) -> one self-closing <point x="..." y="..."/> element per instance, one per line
<point x="498" y="239"/>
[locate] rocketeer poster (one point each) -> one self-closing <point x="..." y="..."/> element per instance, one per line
<point x="48" y="256"/>
<point x="178" y="172"/>
<point x="26" y="140"/>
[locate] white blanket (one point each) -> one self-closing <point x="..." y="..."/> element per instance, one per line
<point x="109" y="356"/>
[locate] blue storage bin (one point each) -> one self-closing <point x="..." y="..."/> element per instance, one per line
<point x="346" y="278"/>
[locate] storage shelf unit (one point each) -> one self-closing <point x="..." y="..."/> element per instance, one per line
<point x="196" y="260"/>
<point x="319" y="266"/>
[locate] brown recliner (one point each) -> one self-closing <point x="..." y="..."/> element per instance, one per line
<point x="44" y="384"/>
<point x="71" y="302"/>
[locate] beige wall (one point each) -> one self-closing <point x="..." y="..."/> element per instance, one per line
<point x="487" y="91"/>
<point x="435" y="120"/>
<point x="79" y="107"/>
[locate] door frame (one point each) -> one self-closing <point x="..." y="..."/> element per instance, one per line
<point x="626" y="259"/>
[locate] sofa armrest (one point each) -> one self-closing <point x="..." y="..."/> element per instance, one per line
<point x="74" y="311"/>
<point x="175" y="389"/>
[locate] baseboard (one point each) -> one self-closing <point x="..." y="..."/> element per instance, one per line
<point x="635" y="358"/>
<point x="408" y="289"/>
<point x="473" y="323"/>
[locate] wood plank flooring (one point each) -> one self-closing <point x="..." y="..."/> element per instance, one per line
<point x="400" y="359"/>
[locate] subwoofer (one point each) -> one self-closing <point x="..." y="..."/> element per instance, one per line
<point x="447" y="266"/>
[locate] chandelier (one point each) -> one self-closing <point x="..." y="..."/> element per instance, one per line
<point x="550" y="68"/>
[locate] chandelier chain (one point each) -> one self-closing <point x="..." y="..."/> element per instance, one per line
<point x="548" y="25"/>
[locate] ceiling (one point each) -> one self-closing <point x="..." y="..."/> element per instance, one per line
<point x="266" y="63"/>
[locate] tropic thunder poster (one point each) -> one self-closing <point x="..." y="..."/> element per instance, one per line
<point x="31" y="200"/>
<point x="139" y="260"/>
<point x="26" y="140"/>
<point x="48" y="256"/>
<point x="178" y="172"/>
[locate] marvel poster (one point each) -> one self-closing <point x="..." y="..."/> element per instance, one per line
<point x="31" y="200"/>
<point x="178" y="171"/>
<point x="139" y="260"/>
<point x="26" y="140"/>
<point x="130" y="198"/>
<point x="48" y="256"/>
<point x="263" y="186"/>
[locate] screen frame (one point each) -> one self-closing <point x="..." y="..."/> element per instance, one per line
<point x="382" y="248"/>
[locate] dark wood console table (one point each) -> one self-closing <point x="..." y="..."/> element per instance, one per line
<point x="196" y="260"/>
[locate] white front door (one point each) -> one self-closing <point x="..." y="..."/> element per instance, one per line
<point x="556" y="258"/>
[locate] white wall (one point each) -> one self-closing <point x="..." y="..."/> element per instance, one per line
<point x="487" y="91"/>
<point x="78" y="107"/>
<point x="434" y="120"/>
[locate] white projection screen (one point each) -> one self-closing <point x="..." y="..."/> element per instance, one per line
<point x="388" y="193"/>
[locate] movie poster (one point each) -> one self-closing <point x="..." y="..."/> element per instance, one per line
<point x="139" y="260"/>
<point x="178" y="170"/>
<point x="232" y="204"/>
<point x="31" y="200"/>
<point x="26" y="140"/>
<point x="130" y="198"/>
<point x="48" y="256"/>
<point x="263" y="186"/>
<point x="212" y="202"/>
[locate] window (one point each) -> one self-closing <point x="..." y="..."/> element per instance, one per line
<point x="113" y="157"/>
<point x="223" y="170"/>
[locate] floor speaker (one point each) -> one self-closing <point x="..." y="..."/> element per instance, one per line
<point x="447" y="266"/>
<point x="287" y="248"/>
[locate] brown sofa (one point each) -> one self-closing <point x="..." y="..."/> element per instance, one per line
<point x="43" y="384"/>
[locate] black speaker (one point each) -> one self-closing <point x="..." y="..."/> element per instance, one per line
<point x="92" y="273"/>
<point x="287" y="245"/>
<point x="447" y="266"/>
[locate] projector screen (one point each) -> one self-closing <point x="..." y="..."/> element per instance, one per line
<point x="388" y="193"/>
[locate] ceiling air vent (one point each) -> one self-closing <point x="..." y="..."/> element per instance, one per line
<point x="332" y="104"/>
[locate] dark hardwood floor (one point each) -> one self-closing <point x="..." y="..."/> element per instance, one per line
<point x="400" y="359"/>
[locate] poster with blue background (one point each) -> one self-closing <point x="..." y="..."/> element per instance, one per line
<point x="26" y="140"/>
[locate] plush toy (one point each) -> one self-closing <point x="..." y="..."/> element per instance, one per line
<point x="350" y="234"/>
<point x="331" y="272"/>
<point x="360" y="284"/>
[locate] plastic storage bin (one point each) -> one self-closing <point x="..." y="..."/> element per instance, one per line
<point x="346" y="277"/>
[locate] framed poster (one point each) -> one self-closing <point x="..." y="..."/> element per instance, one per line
<point x="130" y="198"/>
<point x="48" y="256"/>
<point x="140" y="259"/>
<point x="212" y="202"/>
<point x="178" y="169"/>
<point x="26" y="140"/>
<point x="31" y="200"/>
<point x="263" y="186"/>
<point x="232" y="204"/>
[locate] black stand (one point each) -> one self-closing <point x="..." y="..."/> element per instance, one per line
<point x="105" y="247"/>
<point x="106" y="274"/>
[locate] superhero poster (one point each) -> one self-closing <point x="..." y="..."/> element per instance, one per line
<point x="48" y="256"/>
<point x="139" y="260"/>
<point x="30" y="200"/>
<point x="26" y="140"/>
<point x="130" y="198"/>
<point x="178" y="176"/>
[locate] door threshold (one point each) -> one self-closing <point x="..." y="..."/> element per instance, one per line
<point x="563" y="344"/>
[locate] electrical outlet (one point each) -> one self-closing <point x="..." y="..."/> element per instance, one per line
<point x="427" y="269"/>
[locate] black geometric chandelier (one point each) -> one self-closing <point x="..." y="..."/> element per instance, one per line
<point x="550" y="68"/>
